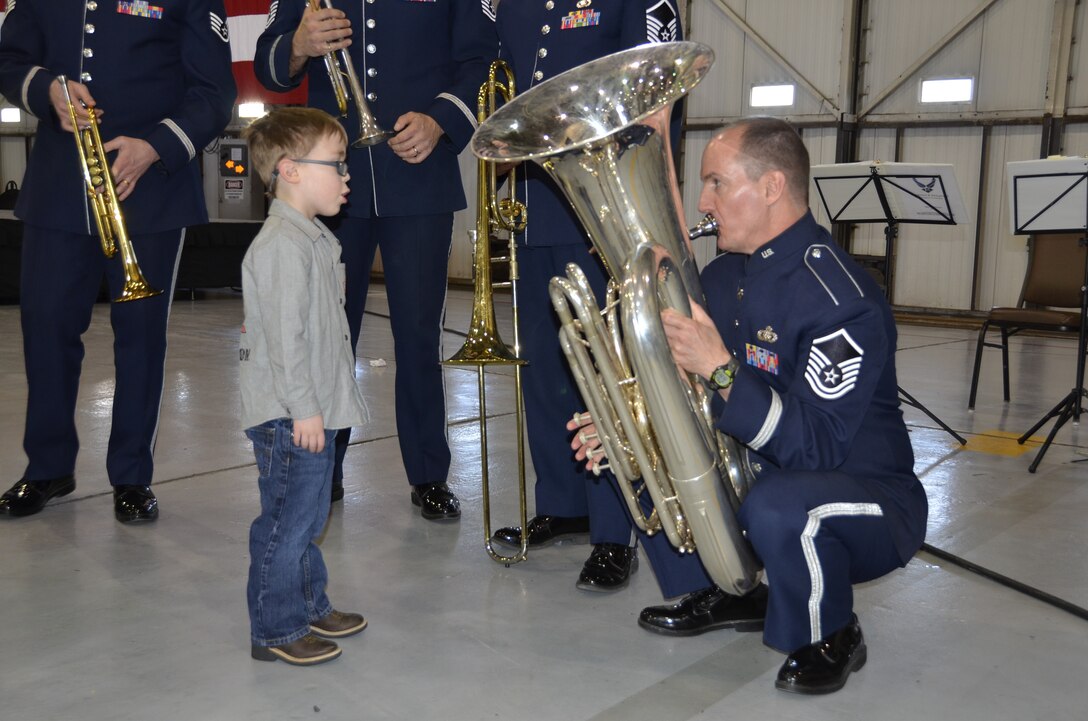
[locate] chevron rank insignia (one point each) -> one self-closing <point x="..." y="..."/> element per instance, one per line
<point x="661" y="23"/>
<point x="833" y="365"/>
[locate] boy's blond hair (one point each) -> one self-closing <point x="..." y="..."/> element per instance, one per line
<point x="287" y="133"/>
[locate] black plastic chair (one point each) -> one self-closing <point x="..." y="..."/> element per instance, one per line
<point x="1054" y="282"/>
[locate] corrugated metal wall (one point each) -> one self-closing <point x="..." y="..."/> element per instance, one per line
<point x="1030" y="100"/>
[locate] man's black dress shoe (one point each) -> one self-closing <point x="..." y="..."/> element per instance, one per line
<point x="546" y="530"/>
<point x="823" y="667"/>
<point x="436" y="502"/>
<point x="707" y="610"/>
<point x="26" y="498"/>
<point x="134" y="503"/>
<point x="337" y="494"/>
<point x="608" y="568"/>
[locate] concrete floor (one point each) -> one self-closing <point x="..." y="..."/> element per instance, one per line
<point x="108" y="622"/>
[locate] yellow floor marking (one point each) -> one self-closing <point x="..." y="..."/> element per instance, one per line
<point x="1001" y="443"/>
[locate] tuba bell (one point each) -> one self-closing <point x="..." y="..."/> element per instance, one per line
<point x="601" y="131"/>
<point x="483" y="346"/>
<point x="345" y="86"/>
<point x="108" y="217"/>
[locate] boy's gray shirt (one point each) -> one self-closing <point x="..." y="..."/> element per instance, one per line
<point x="295" y="350"/>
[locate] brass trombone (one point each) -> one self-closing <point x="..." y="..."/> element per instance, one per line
<point x="483" y="346"/>
<point x="107" y="209"/>
<point x="345" y="85"/>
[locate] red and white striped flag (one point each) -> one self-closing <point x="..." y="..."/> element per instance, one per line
<point x="246" y="19"/>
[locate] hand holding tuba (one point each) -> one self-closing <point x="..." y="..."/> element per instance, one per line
<point x="103" y="196"/>
<point x="345" y="86"/>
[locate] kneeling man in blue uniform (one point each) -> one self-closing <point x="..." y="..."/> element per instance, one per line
<point x="799" y="344"/>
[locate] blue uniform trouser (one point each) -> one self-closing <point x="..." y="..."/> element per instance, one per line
<point x="60" y="278"/>
<point x="415" y="256"/>
<point x="817" y="534"/>
<point x="563" y="487"/>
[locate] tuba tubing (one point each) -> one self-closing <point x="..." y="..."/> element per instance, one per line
<point x="601" y="132"/>
<point x="622" y="436"/>
<point x="708" y="501"/>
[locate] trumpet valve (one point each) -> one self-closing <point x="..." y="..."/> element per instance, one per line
<point x="582" y="418"/>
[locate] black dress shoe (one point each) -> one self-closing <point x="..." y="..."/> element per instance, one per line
<point x="823" y="667"/>
<point x="134" y="503"/>
<point x="707" y="610"/>
<point x="608" y="568"/>
<point x="546" y="530"/>
<point x="436" y="502"/>
<point x="337" y="493"/>
<point x="26" y="498"/>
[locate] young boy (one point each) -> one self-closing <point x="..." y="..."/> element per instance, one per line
<point x="298" y="382"/>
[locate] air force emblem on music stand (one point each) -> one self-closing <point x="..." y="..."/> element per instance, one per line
<point x="833" y="365"/>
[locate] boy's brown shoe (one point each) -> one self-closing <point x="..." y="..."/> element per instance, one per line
<point x="338" y="625"/>
<point x="306" y="651"/>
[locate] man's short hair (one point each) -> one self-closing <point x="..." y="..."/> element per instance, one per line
<point x="772" y="144"/>
<point x="287" y="133"/>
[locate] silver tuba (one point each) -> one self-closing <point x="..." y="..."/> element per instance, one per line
<point x="601" y="131"/>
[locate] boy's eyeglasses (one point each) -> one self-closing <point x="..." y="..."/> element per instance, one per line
<point x="340" y="165"/>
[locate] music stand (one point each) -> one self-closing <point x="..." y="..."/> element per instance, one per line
<point x="1051" y="196"/>
<point x="892" y="193"/>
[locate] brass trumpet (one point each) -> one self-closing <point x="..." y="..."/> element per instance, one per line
<point x="345" y="86"/>
<point x="483" y="346"/>
<point x="107" y="209"/>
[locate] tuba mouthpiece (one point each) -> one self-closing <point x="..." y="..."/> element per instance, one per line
<point x="707" y="226"/>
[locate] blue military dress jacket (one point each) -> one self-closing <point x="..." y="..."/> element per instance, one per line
<point x="541" y="39"/>
<point x="426" y="56"/>
<point x="159" y="71"/>
<point x="816" y="390"/>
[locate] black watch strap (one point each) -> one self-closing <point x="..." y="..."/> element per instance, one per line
<point x="722" y="376"/>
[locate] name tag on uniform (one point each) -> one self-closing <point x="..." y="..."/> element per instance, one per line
<point x="140" y="8"/>
<point x="581" y="19"/>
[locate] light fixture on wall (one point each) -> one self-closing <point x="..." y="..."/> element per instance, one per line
<point x="11" y="115"/>
<point x="771" y="96"/>
<point x="251" y="110"/>
<point x="948" y="90"/>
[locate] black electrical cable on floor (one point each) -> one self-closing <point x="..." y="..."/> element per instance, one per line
<point x="1035" y="593"/>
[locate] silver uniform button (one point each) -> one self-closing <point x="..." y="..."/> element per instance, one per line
<point x="92" y="6"/>
<point x="88" y="53"/>
<point x="545" y="30"/>
<point x="549" y="5"/>
<point x="372" y="48"/>
<point x="371" y="96"/>
<point x="542" y="53"/>
<point x="371" y="72"/>
<point x="85" y="77"/>
<point x="88" y="28"/>
<point x="757" y="467"/>
<point x="370" y="23"/>
<point x="538" y="75"/>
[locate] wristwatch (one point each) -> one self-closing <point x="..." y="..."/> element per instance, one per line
<point x="722" y="376"/>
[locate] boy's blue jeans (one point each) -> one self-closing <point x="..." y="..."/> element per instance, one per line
<point x="287" y="575"/>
